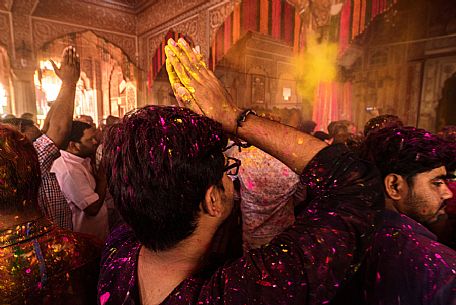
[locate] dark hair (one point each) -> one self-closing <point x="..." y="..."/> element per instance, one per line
<point x="321" y="135"/>
<point x="307" y="126"/>
<point x="20" y="123"/>
<point x="27" y="116"/>
<point x="338" y="127"/>
<point x="448" y="133"/>
<point x="77" y="132"/>
<point x="382" y="121"/>
<point x="162" y="161"/>
<point x="20" y="175"/>
<point x="406" y="151"/>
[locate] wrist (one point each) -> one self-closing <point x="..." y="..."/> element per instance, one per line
<point x="241" y="118"/>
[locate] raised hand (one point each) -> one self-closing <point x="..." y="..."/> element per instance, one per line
<point x="70" y="69"/>
<point x="196" y="87"/>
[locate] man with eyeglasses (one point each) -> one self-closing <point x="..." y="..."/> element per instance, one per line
<point x="168" y="180"/>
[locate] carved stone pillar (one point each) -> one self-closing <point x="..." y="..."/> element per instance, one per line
<point x="23" y="63"/>
<point x="24" y="91"/>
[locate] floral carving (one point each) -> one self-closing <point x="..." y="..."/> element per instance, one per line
<point x="163" y="11"/>
<point x="87" y="15"/>
<point x="218" y="15"/>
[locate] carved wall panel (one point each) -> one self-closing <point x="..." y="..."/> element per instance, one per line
<point x="87" y="15"/>
<point x="217" y="16"/>
<point x="6" y="4"/>
<point x="164" y="11"/>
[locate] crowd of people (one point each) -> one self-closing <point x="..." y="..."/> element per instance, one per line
<point x="207" y="203"/>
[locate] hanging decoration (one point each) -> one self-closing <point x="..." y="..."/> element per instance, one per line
<point x="357" y="15"/>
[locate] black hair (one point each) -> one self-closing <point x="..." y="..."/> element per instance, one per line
<point x="162" y="160"/>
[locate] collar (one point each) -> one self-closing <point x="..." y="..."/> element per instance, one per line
<point x="25" y="231"/>
<point x="71" y="157"/>
<point x="403" y="222"/>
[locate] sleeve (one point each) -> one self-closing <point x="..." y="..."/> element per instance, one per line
<point x="47" y="152"/>
<point x="77" y="189"/>
<point x="309" y="261"/>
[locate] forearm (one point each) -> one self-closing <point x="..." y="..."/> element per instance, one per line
<point x="62" y="114"/>
<point x="294" y="148"/>
<point x="101" y="190"/>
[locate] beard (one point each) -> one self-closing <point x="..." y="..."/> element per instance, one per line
<point x="416" y="204"/>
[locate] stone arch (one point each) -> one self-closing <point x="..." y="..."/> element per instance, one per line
<point x="99" y="58"/>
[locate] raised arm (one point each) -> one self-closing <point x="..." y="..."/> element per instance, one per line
<point x="197" y="88"/>
<point x="57" y="125"/>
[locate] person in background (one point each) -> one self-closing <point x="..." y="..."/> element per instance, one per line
<point x="341" y="131"/>
<point x="382" y="121"/>
<point x="56" y="129"/>
<point x="40" y="263"/>
<point x="445" y="228"/>
<point x="307" y="126"/>
<point x="84" y="187"/>
<point x="323" y="136"/>
<point x="266" y="187"/>
<point x="29" y="116"/>
<point x="114" y="218"/>
<point x="27" y="127"/>
<point x="406" y="264"/>
<point x="86" y="119"/>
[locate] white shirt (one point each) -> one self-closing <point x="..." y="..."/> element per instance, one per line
<point x="77" y="183"/>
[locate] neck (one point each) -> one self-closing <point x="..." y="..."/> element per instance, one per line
<point x="159" y="273"/>
<point x="391" y="205"/>
<point x="187" y="254"/>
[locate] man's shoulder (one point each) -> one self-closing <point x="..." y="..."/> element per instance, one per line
<point x="117" y="281"/>
<point x="121" y="242"/>
<point x="413" y="248"/>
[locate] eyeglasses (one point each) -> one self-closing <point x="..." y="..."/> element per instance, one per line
<point x="238" y="143"/>
<point x="232" y="166"/>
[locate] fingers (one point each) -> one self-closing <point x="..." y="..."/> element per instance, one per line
<point x="183" y="96"/>
<point x="71" y="56"/>
<point x="192" y="54"/>
<point x="189" y="64"/>
<point x="65" y="55"/>
<point x="179" y="69"/>
<point x="172" y="75"/>
<point x="56" y="69"/>
<point x="186" y="99"/>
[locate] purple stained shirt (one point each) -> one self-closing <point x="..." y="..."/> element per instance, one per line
<point x="405" y="265"/>
<point x="305" y="264"/>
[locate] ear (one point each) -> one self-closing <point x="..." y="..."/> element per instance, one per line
<point x="395" y="186"/>
<point x="73" y="146"/>
<point x="212" y="202"/>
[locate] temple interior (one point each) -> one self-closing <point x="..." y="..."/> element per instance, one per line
<point x="328" y="59"/>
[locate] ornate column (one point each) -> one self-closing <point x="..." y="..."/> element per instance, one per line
<point x="23" y="65"/>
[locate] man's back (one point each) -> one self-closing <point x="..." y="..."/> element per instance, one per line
<point x="42" y="264"/>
